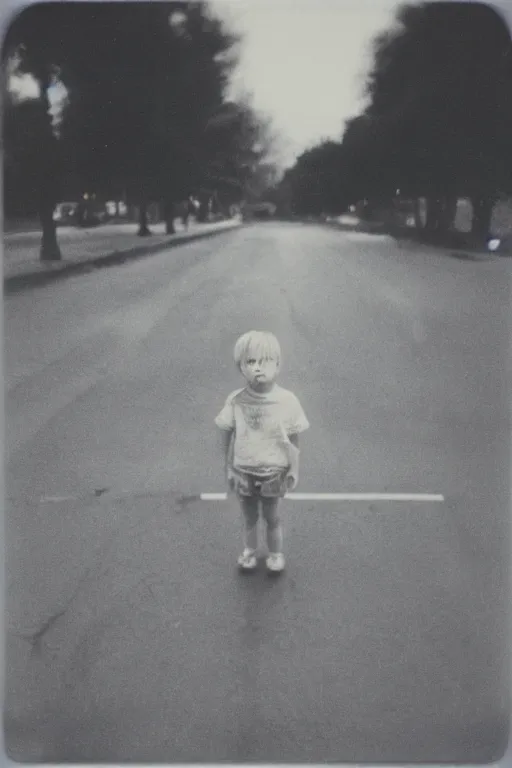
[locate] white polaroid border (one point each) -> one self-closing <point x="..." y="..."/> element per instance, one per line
<point x="8" y="9"/>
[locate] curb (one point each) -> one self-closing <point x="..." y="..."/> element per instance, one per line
<point x="62" y="270"/>
<point x="459" y="252"/>
<point x="346" y="227"/>
<point x="453" y="251"/>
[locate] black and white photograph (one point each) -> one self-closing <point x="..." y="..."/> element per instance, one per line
<point x="257" y="261"/>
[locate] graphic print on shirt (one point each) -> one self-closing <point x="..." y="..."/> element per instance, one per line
<point x="253" y="416"/>
<point x="258" y="423"/>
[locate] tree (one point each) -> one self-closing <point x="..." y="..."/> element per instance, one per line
<point x="314" y="181"/>
<point x="133" y="111"/>
<point x="21" y="131"/>
<point x="205" y="54"/>
<point x="138" y="99"/>
<point x="22" y="44"/>
<point x="440" y="64"/>
<point x="240" y="143"/>
<point x="437" y="125"/>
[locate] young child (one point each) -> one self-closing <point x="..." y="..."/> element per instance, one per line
<point x="261" y="425"/>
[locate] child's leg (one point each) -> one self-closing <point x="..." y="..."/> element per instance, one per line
<point x="249" y="506"/>
<point x="274" y="527"/>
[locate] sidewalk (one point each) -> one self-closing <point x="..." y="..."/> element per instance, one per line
<point x="83" y="249"/>
<point x="457" y="243"/>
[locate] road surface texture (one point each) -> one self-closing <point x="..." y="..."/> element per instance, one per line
<point x="131" y="636"/>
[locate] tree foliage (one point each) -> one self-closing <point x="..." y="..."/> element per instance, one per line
<point x="315" y="180"/>
<point x="240" y="142"/>
<point x="145" y="84"/>
<point x="438" y="120"/>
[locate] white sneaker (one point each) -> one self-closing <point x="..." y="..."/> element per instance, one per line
<point x="275" y="562"/>
<point x="247" y="560"/>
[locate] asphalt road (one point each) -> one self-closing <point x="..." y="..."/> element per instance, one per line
<point x="131" y="636"/>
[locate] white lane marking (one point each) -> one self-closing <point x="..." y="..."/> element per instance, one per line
<point x="437" y="497"/>
<point x="432" y="497"/>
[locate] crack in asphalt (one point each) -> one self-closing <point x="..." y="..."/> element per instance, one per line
<point x="36" y="638"/>
<point x="180" y="499"/>
<point x="184" y="502"/>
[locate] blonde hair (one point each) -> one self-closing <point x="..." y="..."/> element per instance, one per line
<point x="257" y="344"/>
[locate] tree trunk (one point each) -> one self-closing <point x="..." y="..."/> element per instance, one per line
<point x="170" y="229"/>
<point x="144" y="230"/>
<point x="185" y="213"/>
<point x="448" y="212"/>
<point x="204" y="209"/>
<point x="47" y="181"/>
<point x="482" y="215"/>
<point x="418" y="223"/>
<point x="446" y="209"/>
<point x="50" y="250"/>
<point x="433" y="211"/>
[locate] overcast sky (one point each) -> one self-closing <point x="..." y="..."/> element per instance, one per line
<point x="305" y="60"/>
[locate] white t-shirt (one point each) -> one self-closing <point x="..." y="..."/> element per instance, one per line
<point x="258" y="421"/>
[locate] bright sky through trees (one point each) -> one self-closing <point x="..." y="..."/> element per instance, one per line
<point x="305" y="60"/>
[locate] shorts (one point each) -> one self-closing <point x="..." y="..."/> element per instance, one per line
<point x="272" y="487"/>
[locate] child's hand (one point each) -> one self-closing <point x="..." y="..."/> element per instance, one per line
<point x="230" y="477"/>
<point x="291" y="481"/>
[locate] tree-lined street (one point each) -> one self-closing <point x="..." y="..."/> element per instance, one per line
<point x="130" y="633"/>
<point x="413" y="145"/>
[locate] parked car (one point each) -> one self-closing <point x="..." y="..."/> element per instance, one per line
<point x="91" y="213"/>
<point x="262" y="210"/>
<point x="116" y="208"/>
<point x="65" y="213"/>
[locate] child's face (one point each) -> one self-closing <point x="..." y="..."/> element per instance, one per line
<point x="260" y="371"/>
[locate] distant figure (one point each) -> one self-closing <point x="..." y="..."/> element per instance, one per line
<point x="185" y="215"/>
<point x="186" y="209"/>
<point x="261" y="425"/>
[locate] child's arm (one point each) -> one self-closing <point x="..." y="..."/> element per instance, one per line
<point x="226" y="422"/>
<point x="297" y="422"/>
<point x="225" y="437"/>
<point x="226" y="445"/>
<point x="293" y="474"/>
